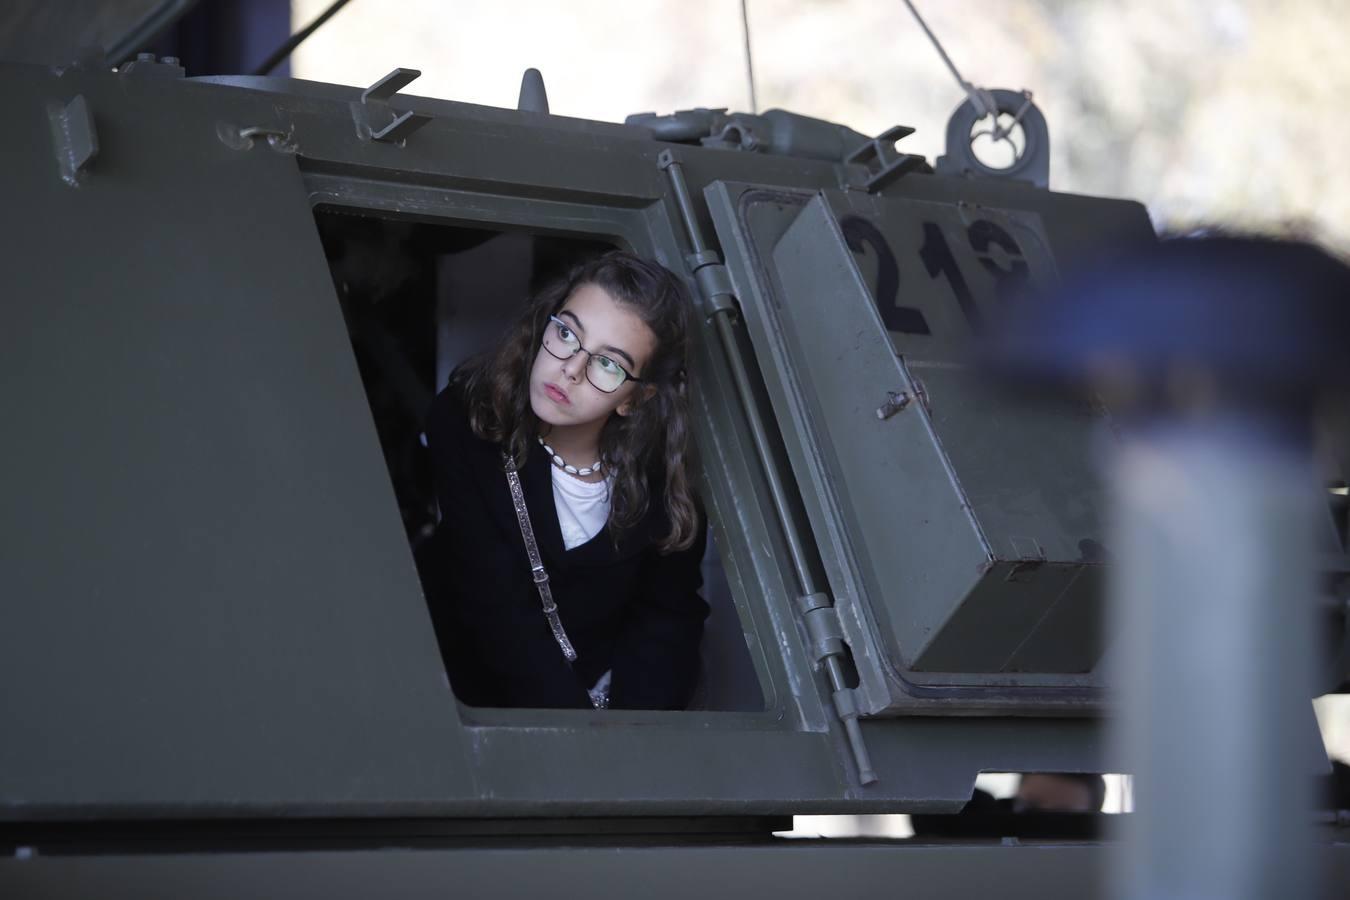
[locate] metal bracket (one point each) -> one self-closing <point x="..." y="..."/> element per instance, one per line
<point x="376" y="120"/>
<point x="882" y="162"/>
<point x="75" y="137"/>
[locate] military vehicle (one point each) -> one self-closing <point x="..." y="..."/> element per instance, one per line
<point x="231" y="299"/>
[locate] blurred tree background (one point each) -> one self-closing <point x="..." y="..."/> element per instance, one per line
<point x="1217" y="112"/>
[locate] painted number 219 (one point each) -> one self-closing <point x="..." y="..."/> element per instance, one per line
<point x="1009" y="274"/>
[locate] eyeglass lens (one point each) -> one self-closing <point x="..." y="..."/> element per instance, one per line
<point x="563" y="343"/>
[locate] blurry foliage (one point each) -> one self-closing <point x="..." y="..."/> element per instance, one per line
<point x="1219" y="111"/>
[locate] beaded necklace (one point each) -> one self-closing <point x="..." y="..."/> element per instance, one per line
<point x="560" y="463"/>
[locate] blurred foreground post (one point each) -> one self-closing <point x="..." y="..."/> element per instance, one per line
<point x="1212" y="595"/>
<point x="1211" y="354"/>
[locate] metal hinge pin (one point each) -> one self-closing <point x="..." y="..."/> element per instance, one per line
<point x="829" y="648"/>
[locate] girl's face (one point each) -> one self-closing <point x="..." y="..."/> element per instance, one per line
<point x="560" y="392"/>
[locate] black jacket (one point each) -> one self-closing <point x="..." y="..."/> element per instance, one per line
<point x="628" y="608"/>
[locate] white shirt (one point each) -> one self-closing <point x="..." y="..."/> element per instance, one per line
<point x="583" y="507"/>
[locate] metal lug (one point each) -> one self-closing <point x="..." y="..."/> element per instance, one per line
<point x="533" y="97"/>
<point x="145" y="65"/>
<point x="237" y="138"/>
<point x="75" y="137"/>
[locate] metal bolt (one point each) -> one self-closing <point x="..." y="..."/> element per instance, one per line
<point x="895" y="401"/>
<point x="145" y="57"/>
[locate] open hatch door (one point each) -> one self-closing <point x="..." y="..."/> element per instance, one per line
<point x="961" y="537"/>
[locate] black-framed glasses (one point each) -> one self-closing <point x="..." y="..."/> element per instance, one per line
<point x="602" y="372"/>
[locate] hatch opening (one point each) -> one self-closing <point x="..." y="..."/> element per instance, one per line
<point x="419" y="298"/>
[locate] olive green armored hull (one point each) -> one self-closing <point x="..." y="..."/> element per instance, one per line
<point x="211" y="608"/>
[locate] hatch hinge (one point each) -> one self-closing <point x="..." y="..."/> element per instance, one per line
<point x="922" y="393"/>
<point x="829" y="650"/>
<point x="714" y="282"/>
<point x="376" y="120"/>
<point x="822" y="626"/>
<point x="827" y="638"/>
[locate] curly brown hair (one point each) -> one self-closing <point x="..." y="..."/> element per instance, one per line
<point x="654" y="436"/>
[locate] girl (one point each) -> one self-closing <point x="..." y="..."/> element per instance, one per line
<point x="583" y="406"/>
